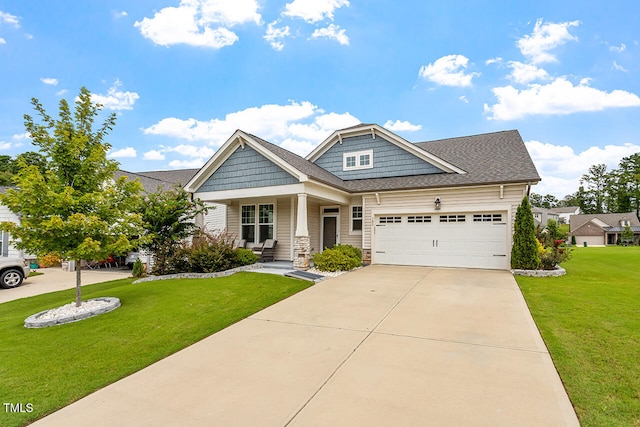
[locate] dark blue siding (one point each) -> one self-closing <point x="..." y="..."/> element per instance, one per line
<point x="246" y="168"/>
<point x="388" y="159"/>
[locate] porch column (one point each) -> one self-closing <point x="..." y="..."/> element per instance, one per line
<point x="302" y="241"/>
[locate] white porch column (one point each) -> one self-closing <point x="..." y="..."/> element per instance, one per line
<point x="302" y="241"/>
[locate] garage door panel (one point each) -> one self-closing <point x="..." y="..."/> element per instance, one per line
<point x="451" y="240"/>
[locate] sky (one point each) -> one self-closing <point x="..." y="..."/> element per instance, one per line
<point x="183" y="75"/>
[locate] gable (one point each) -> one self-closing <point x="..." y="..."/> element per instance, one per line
<point x="246" y="168"/>
<point x="388" y="159"/>
<point x="590" y="228"/>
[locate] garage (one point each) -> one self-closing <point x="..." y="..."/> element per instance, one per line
<point x="469" y="240"/>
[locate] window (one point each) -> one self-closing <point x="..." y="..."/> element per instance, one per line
<point x="264" y="226"/>
<point x="249" y="223"/>
<point x="487" y="217"/>
<point x="390" y="220"/>
<point x="357" y="160"/>
<point x="356" y="218"/>
<point x="452" y="218"/>
<point x="414" y="219"/>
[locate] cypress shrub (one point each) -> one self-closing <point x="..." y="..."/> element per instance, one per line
<point x="524" y="253"/>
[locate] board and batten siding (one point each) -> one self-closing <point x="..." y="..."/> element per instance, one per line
<point x="246" y="168"/>
<point x="473" y="199"/>
<point x="388" y="159"/>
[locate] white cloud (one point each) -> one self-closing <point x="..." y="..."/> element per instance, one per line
<point x="7" y="18"/>
<point x="399" y="126"/>
<point x="116" y="99"/>
<point x="203" y="23"/>
<point x="120" y="14"/>
<point x="153" y="155"/>
<point x="49" y="81"/>
<point x="560" y="167"/>
<point x="124" y="152"/>
<point x="618" y="49"/>
<point x="619" y="67"/>
<point x="332" y="32"/>
<point x="187" y="164"/>
<point x="313" y="10"/>
<point x="2" y="41"/>
<point x="297" y="126"/>
<point x="5" y="145"/>
<point x="275" y="36"/>
<point x="545" y="37"/>
<point x="448" y="71"/>
<point x="490" y="61"/>
<point x="558" y="97"/>
<point x="526" y="73"/>
<point x="463" y="99"/>
<point x="62" y="92"/>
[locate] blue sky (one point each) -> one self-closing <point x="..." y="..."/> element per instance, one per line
<point x="182" y="76"/>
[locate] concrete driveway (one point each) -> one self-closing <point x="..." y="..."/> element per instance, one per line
<point x="55" y="279"/>
<point x="380" y="346"/>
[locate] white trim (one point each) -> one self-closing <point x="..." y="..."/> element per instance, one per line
<point x="389" y="136"/>
<point x="323" y="215"/>
<point x="353" y="232"/>
<point x="357" y="155"/>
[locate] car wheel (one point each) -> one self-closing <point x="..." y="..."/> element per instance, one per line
<point x="10" y="279"/>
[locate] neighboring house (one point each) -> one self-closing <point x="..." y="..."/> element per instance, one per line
<point x="565" y="213"/>
<point x="449" y="202"/>
<point x="6" y="248"/>
<point x="603" y="229"/>
<point x="541" y="216"/>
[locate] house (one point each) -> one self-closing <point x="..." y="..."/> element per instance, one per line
<point x="564" y="213"/>
<point x="449" y="202"/>
<point x="541" y="216"/>
<point x="603" y="229"/>
<point x="6" y="247"/>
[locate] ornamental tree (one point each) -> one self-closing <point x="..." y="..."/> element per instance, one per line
<point x="169" y="218"/>
<point x="72" y="206"/>
<point x="524" y="252"/>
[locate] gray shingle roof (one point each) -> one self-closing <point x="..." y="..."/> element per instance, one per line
<point x="611" y="219"/>
<point x="491" y="158"/>
<point x="153" y="180"/>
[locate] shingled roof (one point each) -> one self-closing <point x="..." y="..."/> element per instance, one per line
<point x="153" y="180"/>
<point x="491" y="158"/>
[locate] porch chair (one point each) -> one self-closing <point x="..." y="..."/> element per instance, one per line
<point x="268" y="251"/>
<point x="242" y="243"/>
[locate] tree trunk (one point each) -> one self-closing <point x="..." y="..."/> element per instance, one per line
<point x="78" y="282"/>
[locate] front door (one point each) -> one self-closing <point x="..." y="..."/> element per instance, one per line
<point x="329" y="231"/>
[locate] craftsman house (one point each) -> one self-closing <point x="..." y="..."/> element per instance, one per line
<point x="449" y="202"/>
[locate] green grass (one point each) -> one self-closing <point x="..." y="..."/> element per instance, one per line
<point x="52" y="367"/>
<point x="590" y="322"/>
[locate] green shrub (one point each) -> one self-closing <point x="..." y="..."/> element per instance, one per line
<point x="245" y="257"/>
<point x="338" y="258"/>
<point x="524" y="253"/>
<point x="138" y="270"/>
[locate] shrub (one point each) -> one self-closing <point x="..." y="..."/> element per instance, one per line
<point x="245" y="257"/>
<point x="524" y="253"/>
<point x="573" y="240"/>
<point x="338" y="258"/>
<point x="138" y="270"/>
<point x="207" y="254"/>
<point x="50" y="260"/>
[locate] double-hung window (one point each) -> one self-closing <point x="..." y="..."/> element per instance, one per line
<point x="356" y="219"/>
<point x="257" y="228"/>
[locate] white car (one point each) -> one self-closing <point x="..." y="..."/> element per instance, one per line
<point x="13" y="271"/>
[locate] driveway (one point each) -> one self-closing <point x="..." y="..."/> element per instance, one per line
<point x="55" y="279"/>
<point x="383" y="345"/>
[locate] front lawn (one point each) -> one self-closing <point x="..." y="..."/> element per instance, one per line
<point x="590" y="322"/>
<point x="52" y="367"/>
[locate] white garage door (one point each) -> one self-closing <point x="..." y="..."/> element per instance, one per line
<point x="471" y="240"/>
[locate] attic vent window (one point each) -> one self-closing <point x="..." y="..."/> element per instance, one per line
<point x="357" y="160"/>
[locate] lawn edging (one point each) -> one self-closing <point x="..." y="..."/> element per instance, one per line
<point x="559" y="271"/>
<point x="199" y="275"/>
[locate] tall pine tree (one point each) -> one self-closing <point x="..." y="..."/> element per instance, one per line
<point x="524" y="252"/>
